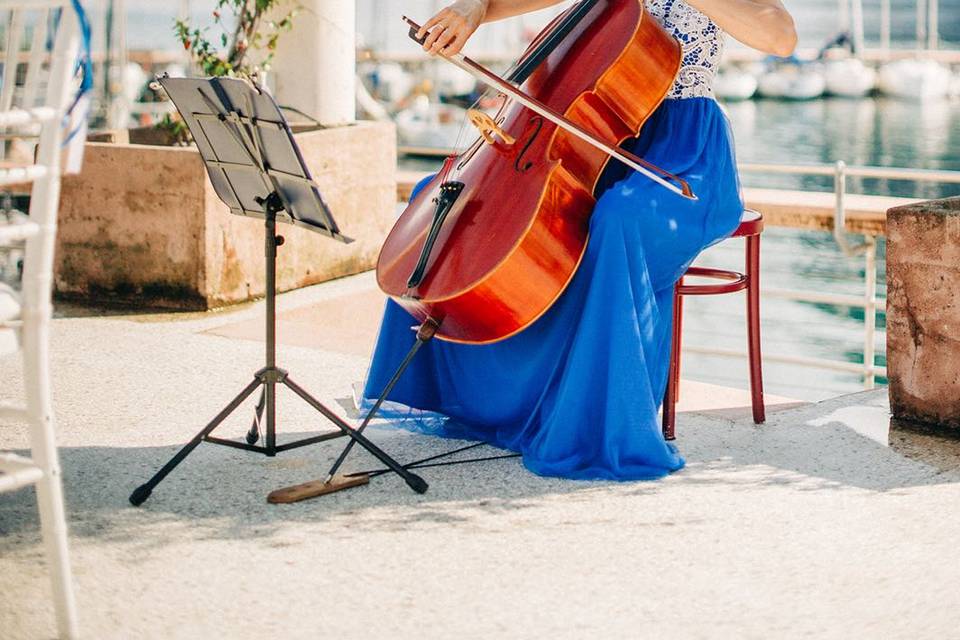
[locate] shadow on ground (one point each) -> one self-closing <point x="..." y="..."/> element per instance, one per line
<point x="219" y="492"/>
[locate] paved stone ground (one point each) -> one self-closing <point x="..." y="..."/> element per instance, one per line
<point x="823" y="522"/>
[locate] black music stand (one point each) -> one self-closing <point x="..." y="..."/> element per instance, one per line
<point x="257" y="170"/>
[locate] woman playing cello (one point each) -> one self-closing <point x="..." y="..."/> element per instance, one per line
<point x="578" y="391"/>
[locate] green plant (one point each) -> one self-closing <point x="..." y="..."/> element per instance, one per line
<point x="244" y="31"/>
<point x="176" y="129"/>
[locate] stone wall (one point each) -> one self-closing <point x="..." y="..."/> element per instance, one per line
<point x="923" y="311"/>
<point x="142" y="226"/>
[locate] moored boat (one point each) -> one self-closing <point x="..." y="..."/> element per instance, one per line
<point x="734" y="83"/>
<point x="792" y="81"/>
<point x="429" y="125"/>
<point x="848" y="77"/>
<point x="915" y="79"/>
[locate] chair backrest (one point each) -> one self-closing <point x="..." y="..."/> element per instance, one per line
<point x="34" y="35"/>
<point x="40" y="41"/>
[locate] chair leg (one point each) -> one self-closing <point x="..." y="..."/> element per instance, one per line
<point x="753" y="328"/>
<point x="53" y="522"/>
<point x="670" y="396"/>
<point x="677" y="337"/>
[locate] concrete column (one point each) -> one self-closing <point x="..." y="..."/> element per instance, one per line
<point x="921" y="23"/>
<point x="885" y="25"/>
<point x="843" y="15"/>
<point x="315" y="66"/>
<point x="923" y="311"/>
<point x="856" y="26"/>
<point x="933" y="25"/>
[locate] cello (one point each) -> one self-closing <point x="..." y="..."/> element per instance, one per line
<point x="491" y="242"/>
<point x="487" y="246"/>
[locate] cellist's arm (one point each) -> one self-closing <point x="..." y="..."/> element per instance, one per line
<point x="762" y="24"/>
<point x="500" y="9"/>
<point x="450" y="29"/>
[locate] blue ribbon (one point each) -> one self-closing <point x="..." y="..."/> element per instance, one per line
<point x="85" y="64"/>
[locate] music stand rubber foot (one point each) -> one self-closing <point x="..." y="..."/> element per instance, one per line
<point x="140" y="494"/>
<point x="417" y="483"/>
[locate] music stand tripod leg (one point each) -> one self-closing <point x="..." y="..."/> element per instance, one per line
<point x="143" y="492"/>
<point x="414" y="481"/>
<point x="254" y="433"/>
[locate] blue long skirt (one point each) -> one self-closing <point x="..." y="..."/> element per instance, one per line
<point x="578" y="392"/>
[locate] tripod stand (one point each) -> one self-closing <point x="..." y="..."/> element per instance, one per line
<point x="283" y="188"/>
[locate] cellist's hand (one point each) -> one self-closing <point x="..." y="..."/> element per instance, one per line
<point x="450" y="29"/>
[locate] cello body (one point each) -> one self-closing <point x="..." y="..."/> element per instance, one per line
<point x="516" y="206"/>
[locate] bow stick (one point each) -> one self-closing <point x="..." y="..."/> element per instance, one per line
<point x="489" y="78"/>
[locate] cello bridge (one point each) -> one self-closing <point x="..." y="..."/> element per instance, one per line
<point x="488" y="127"/>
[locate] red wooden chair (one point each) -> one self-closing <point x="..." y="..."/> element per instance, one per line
<point x="751" y="225"/>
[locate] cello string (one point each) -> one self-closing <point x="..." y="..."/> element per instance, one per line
<point x="459" y="150"/>
<point x="456" y="150"/>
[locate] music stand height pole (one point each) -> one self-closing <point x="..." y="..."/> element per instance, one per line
<point x="272" y="206"/>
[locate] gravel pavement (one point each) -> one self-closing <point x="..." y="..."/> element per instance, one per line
<point x="809" y="526"/>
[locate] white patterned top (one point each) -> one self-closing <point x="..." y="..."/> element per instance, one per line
<point x="701" y="42"/>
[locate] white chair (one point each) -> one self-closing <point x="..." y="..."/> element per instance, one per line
<point x="38" y="85"/>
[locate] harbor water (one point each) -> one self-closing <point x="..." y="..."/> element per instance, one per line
<point x="871" y="131"/>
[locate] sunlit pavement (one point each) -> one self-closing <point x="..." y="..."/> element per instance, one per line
<point x="821" y="522"/>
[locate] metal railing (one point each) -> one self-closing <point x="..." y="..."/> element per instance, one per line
<point x="868" y="301"/>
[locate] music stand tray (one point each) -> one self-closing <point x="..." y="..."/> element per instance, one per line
<point x="256" y="168"/>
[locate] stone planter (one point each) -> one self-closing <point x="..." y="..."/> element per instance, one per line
<point x="923" y="311"/>
<point x="142" y="226"/>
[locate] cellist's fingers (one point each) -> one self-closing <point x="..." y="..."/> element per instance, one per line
<point x="447" y="37"/>
<point x="454" y="47"/>
<point x="432" y="28"/>
<point x="429" y="24"/>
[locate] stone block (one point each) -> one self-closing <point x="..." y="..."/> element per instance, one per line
<point x="142" y="226"/>
<point x="923" y="311"/>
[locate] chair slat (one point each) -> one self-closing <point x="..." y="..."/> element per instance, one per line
<point x="38" y="51"/>
<point x="20" y="117"/>
<point x="17" y="471"/>
<point x="12" y="412"/>
<point x="19" y="175"/>
<point x="14" y="29"/>
<point x="36" y="5"/>
<point x="17" y="232"/>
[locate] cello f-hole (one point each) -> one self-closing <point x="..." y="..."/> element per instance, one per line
<point x="534" y="125"/>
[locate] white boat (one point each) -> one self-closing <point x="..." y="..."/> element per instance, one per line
<point x="452" y="81"/>
<point x="802" y="81"/>
<point x="955" y="85"/>
<point x="848" y="77"/>
<point x="733" y="83"/>
<point x="428" y="125"/>
<point x="915" y="80"/>
<point x="390" y="82"/>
